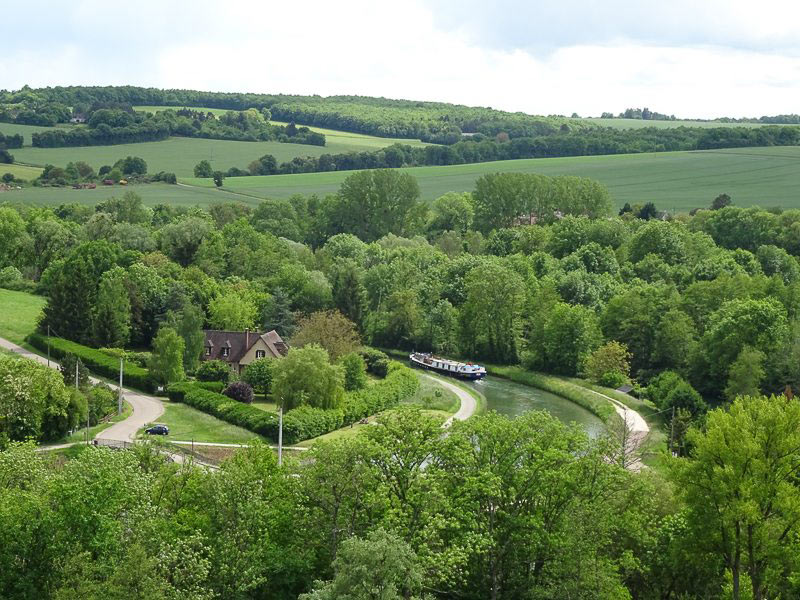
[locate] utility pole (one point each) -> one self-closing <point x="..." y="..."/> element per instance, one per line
<point x="671" y="429"/>
<point x="280" y="435"/>
<point x="48" y="346"/>
<point x="119" y="398"/>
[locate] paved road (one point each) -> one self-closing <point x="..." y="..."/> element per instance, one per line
<point x="636" y="434"/>
<point x="146" y="409"/>
<point x="468" y="404"/>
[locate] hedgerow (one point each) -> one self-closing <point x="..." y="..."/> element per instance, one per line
<point x="95" y="360"/>
<point x="304" y="422"/>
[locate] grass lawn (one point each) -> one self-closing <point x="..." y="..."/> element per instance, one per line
<point x="675" y="181"/>
<point x="25" y="130"/>
<point x="433" y="397"/>
<point x="21" y="171"/>
<point x="186" y="423"/>
<point x="19" y="314"/>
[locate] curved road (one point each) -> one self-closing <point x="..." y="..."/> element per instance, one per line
<point x="146" y="409"/>
<point x="468" y="404"/>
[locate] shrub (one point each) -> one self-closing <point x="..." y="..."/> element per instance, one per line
<point x="213" y="370"/>
<point x="377" y="361"/>
<point x="96" y="361"/>
<point x="240" y="391"/>
<point x="612" y="379"/>
<point x="355" y="372"/>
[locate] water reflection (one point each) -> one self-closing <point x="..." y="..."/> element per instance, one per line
<point x="513" y="399"/>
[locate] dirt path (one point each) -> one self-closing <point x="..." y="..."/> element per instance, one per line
<point x="146" y="409"/>
<point x="468" y="403"/>
<point x="637" y="431"/>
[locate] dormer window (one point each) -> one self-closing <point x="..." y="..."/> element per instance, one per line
<point x="226" y="352"/>
<point x="208" y="350"/>
<point x="260" y="354"/>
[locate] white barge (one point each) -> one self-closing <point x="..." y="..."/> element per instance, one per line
<point x="447" y="366"/>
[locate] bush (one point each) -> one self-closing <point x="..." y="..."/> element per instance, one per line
<point x="355" y="372"/>
<point x="240" y="391"/>
<point x="96" y="361"/>
<point x="214" y="370"/>
<point x="612" y="379"/>
<point x="377" y="361"/>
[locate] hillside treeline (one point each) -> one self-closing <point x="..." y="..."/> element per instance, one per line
<point x="478" y="148"/>
<point x="107" y="126"/>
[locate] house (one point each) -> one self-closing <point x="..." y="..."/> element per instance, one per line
<point x="240" y="348"/>
<point x="78" y="118"/>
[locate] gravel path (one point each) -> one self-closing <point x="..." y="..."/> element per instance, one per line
<point x="468" y="403"/>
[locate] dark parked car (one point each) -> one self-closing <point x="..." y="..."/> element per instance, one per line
<point x="157" y="430"/>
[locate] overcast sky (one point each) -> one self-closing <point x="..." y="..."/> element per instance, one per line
<point x="699" y="58"/>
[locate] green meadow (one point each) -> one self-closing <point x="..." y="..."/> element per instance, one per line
<point x="19" y="314"/>
<point x="675" y="181"/>
<point x="25" y="130"/>
<point x="20" y="171"/>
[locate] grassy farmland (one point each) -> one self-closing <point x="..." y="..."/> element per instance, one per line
<point x="673" y="180"/>
<point x="179" y="155"/>
<point x="25" y="130"/>
<point x="21" y="171"/>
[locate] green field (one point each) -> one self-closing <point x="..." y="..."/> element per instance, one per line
<point x="641" y="123"/>
<point x="20" y="171"/>
<point x="25" y="130"/>
<point x="675" y="181"/>
<point x="186" y="423"/>
<point x="334" y="139"/>
<point x="19" y="314"/>
<point x="179" y="155"/>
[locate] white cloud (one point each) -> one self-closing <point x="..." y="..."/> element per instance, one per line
<point x="407" y="51"/>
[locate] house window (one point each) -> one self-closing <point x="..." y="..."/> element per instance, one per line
<point x="260" y="354"/>
<point x="208" y="350"/>
<point x="226" y="351"/>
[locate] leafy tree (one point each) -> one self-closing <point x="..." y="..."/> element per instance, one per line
<point x="213" y="370"/>
<point x="745" y="374"/>
<point x="565" y="337"/>
<point x="277" y="314"/>
<point x="166" y="363"/>
<point x="490" y="318"/>
<point x="721" y="201"/>
<point x="189" y="325"/>
<point x="371" y="204"/>
<point x="112" y="312"/>
<point x="180" y="240"/>
<point x="612" y="358"/>
<point x="451" y="212"/>
<point x="355" y="371"/>
<point x="12" y="235"/>
<point x="218" y="177"/>
<point x="203" y="169"/>
<point x="347" y="288"/>
<point x="305" y="376"/>
<point x="131" y="165"/>
<point x="73" y="289"/>
<point x="231" y="311"/>
<point x="737" y="485"/>
<point x="259" y="374"/>
<point x="329" y="329"/>
<point x="381" y="566"/>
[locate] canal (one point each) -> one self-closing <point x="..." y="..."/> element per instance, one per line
<point x="513" y="399"/>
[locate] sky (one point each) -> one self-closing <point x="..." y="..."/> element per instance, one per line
<point x="699" y="58"/>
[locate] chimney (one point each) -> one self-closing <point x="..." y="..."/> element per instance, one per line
<point x="247" y="338"/>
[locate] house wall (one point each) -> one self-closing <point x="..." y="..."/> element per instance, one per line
<point x="250" y="356"/>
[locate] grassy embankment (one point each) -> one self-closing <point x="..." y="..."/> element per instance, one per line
<point x="186" y="423"/>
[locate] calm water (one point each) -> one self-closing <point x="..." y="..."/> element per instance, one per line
<point x="513" y="399"/>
